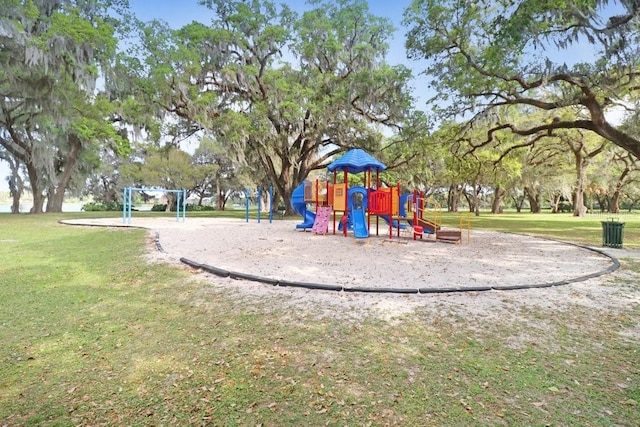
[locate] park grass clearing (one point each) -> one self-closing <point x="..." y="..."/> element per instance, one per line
<point x="586" y="230"/>
<point x="93" y="334"/>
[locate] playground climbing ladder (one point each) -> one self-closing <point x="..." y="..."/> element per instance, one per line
<point x="321" y="223"/>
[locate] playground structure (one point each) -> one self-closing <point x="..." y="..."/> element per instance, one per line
<point x="127" y="205"/>
<point x="410" y="211"/>
<point x="427" y="218"/>
<point x="268" y="194"/>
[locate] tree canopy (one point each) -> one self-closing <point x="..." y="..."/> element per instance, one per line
<point x="282" y="90"/>
<point x="483" y="55"/>
<point x="50" y="60"/>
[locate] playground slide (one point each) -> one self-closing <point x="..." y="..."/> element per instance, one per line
<point x="394" y="224"/>
<point x="298" y="204"/>
<point x="360" y="229"/>
<point x="407" y="197"/>
<point x="404" y="199"/>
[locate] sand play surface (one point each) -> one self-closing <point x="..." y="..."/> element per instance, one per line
<point x="278" y="251"/>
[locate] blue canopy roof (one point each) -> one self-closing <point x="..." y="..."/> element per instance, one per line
<point x="356" y="161"/>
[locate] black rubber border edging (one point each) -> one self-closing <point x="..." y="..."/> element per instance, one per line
<point x="250" y="277"/>
<point x="615" y="264"/>
<point x="307" y="285"/>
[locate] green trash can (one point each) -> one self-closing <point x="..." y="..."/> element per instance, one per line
<point x="612" y="232"/>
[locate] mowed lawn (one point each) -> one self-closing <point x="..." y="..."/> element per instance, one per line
<point x="94" y="335"/>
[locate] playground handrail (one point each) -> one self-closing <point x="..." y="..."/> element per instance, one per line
<point x="434" y="212"/>
<point x="430" y="210"/>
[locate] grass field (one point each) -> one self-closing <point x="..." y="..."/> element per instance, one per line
<point x="93" y="335"/>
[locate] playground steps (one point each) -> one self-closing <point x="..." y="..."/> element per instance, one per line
<point x="428" y="226"/>
<point x="449" y="236"/>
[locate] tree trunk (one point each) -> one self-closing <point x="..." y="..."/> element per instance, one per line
<point x="453" y="199"/>
<point x="110" y="193"/>
<point x="536" y="207"/>
<point x="171" y="201"/>
<point x="602" y="202"/>
<point x="15" y="202"/>
<point x="224" y="196"/>
<point x="579" y="208"/>
<point x="614" y="206"/>
<point x="50" y="200"/>
<point x="285" y="184"/>
<point x="16" y="185"/>
<point x="36" y="191"/>
<point x="534" y="198"/>
<point x="519" y="202"/>
<point x="469" y="200"/>
<point x="476" y="199"/>
<point x="498" y="200"/>
<point x="615" y="198"/>
<point x="54" y="203"/>
<point x="555" y="203"/>
<point x="219" y="196"/>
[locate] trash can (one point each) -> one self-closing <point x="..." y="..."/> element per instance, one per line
<point x="612" y="232"/>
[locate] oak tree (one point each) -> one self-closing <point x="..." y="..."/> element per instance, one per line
<point x="483" y="55"/>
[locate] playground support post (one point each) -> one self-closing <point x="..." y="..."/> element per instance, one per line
<point x="259" y="203"/>
<point x="270" y="204"/>
<point x="246" y="204"/>
<point x="127" y="203"/>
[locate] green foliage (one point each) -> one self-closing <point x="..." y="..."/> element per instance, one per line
<point x="159" y="207"/>
<point x="170" y="169"/>
<point x="102" y="206"/>
<point x="93" y="128"/>
<point x="70" y="24"/>
<point x="200" y="208"/>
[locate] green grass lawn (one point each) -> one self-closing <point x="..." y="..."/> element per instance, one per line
<point x="93" y="335"/>
<point x="587" y="230"/>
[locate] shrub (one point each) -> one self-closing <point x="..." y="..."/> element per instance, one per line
<point x="200" y="208"/>
<point x="102" y="206"/>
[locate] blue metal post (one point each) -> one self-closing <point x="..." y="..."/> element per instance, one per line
<point x="178" y="205"/>
<point x="124" y="205"/>
<point x="184" y="212"/>
<point x="246" y="199"/>
<point x="129" y="206"/>
<point x="259" y="203"/>
<point x="270" y="204"/>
